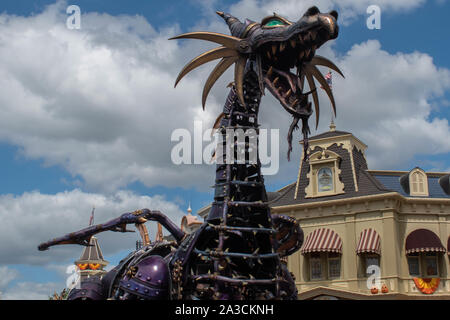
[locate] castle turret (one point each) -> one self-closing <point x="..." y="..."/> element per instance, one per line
<point x="91" y="262"/>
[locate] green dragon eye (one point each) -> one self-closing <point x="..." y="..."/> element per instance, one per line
<point x="274" y="23"/>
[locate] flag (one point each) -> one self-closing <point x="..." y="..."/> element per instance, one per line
<point x="91" y="220"/>
<point x="328" y="79"/>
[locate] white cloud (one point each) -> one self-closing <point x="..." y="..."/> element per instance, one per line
<point x="6" y="276"/>
<point x="294" y="9"/>
<point x="33" y="218"/>
<point x="31" y="291"/>
<point x="385" y="100"/>
<point x="24" y="290"/>
<point x="100" y="101"/>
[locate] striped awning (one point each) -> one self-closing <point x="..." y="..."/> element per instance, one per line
<point x="423" y="240"/>
<point x="369" y="242"/>
<point x="322" y="240"/>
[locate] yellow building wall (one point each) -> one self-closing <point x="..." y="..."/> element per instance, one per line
<point x="393" y="220"/>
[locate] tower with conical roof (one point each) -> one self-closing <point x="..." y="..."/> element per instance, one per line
<point x="91" y="262"/>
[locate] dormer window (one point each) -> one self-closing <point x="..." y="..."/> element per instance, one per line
<point x="445" y="184"/>
<point x="324" y="174"/>
<point x="418" y="183"/>
<point x="325" y="179"/>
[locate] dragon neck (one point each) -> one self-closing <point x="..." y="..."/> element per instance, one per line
<point x="238" y="239"/>
<point x="238" y="172"/>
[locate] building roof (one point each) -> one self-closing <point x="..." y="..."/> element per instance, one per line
<point x="190" y="220"/>
<point x="92" y="253"/>
<point x="329" y="134"/>
<point x="391" y="181"/>
<point x="353" y="174"/>
<point x="367" y="186"/>
<point x="366" y="183"/>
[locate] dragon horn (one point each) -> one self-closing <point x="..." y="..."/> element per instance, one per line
<point x="229" y="54"/>
<point x="311" y="69"/>
<point x="321" y="61"/>
<point x="239" y="78"/>
<point x="217" y="123"/>
<point x="237" y="28"/>
<point x="223" y="39"/>
<point x="312" y="87"/>
<point x="216" y="53"/>
<point x="221" y="67"/>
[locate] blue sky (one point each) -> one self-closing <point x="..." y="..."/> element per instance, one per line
<point x="41" y="165"/>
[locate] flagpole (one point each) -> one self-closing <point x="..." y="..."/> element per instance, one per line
<point x="91" y="220"/>
<point x="329" y="78"/>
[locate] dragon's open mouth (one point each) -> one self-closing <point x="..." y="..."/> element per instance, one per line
<point x="282" y="64"/>
<point x="287" y="54"/>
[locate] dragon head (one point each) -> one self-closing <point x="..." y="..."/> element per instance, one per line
<point x="281" y="52"/>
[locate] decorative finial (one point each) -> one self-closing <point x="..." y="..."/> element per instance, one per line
<point x="189" y="210"/>
<point x="332" y="126"/>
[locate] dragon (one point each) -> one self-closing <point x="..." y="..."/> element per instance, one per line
<point x="238" y="251"/>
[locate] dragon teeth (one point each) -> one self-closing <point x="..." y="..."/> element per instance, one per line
<point x="274" y="49"/>
<point x="308" y="51"/>
<point x="276" y="81"/>
<point x="282" y="46"/>
<point x="293" y="43"/>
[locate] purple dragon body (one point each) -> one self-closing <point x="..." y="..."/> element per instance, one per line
<point x="236" y="254"/>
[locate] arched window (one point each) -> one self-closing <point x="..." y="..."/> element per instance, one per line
<point x="418" y="183"/>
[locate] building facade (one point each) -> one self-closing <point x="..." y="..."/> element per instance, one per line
<point x="368" y="234"/>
